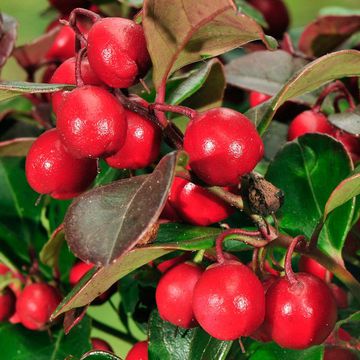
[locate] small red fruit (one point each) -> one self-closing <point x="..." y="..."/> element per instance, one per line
<point x="275" y="14"/>
<point x="65" y="74"/>
<point x="63" y="46"/>
<point x="338" y="353"/>
<point x="142" y="144"/>
<point x="99" y="344"/>
<point x="35" y="305"/>
<point x="78" y="270"/>
<point x="301" y="314"/>
<point x="139" y="351"/>
<point x="351" y="144"/>
<point x="50" y="169"/>
<point x="117" y="51"/>
<point x="223" y="145"/>
<point x="229" y="301"/>
<point x="174" y="294"/>
<point x="166" y="265"/>
<point x="311" y="266"/>
<point x="257" y="98"/>
<point x="91" y="122"/>
<point x="340" y="295"/>
<point x="196" y="205"/>
<point x="309" y="121"/>
<point x="7" y="304"/>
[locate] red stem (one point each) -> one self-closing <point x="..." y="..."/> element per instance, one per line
<point x="79" y="56"/>
<point x="183" y="110"/>
<point x="290" y="275"/>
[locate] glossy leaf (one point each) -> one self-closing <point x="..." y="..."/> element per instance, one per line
<point x="249" y="10"/>
<point x="8" y="32"/>
<point x="205" y="88"/>
<point x="346" y="190"/>
<point x="49" y="254"/>
<point x="16" y="342"/>
<point x="263" y="71"/>
<point x="190" y="344"/>
<point x="10" y="89"/>
<point x="329" y="67"/>
<point x="108" y="174"/>
<point x="107" y="221"/>
<point x="188" y="31"/>
<point x="16" y="147"/>
<point x="348" y="121"/>
<point x="99" y="355"/>
<point x="301" y="169"/>
<point x="326" y="33"/>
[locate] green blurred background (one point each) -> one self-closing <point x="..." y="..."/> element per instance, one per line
<point x="33" y="18"/>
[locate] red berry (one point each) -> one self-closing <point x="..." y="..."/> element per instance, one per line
<point x="341" y="335"/>
<point x="229" y="301"/>
<point x="50" y="169"/>
<point x="78" y="270"/>
<point x="338" y="353"/>
<point x="174" y="294"/>
<point x="196" y="205"/>
<point x="91" y="122"/>
<point x="166" y="265"/>
<point x="350" y="142"/>
<point x="117" y="51"/>
<point x="138" y="352"/>
<point x="7" y="304"/>
<point x="65" y="74"/>
<point x="275" y="14"/>
<point x="35" y="305"/>
<point x="66" y="6"/>
<point x="311" y="266"/>
<point x="340" y="295"/>
<point x="63" y="46"/>
<point x="302" y="314"/>
<point x="223" y="145"/>
<point x="309" y="121"/>
<point x="142" y="144"/>
<point x="257" y="98"/>
<point x="99" y="344"/>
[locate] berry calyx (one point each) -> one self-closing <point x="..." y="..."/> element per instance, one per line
<point x="142" y="144"/>
<point x="309" y="121"/>
<point x="223" y="145"/>
<point x="65" y="74"/>
<point x="91" y="122"/>
<point x="35" y="305"/>
<point x="257" y="98"/>
<point x="174" y="294"/>
<point x="139" y="351"/>
<point x="7" y="304"/>
<point x="99" y="344"/>
<point x="50" y="169"/>
<point x="229" y="301"/>
<point x="117" y="51"/>
<point x="196" y="205"/>
<point x="308" y="265"/>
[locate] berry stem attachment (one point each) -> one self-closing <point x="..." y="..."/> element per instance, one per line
<point x="247" y="237"/>
<point x="79" y="56"/>
<point x="84" y="12"/>
<point x="290" y="275"/>
<point x="183" y="110"/>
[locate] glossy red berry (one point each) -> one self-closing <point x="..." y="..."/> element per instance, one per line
<point x="50" y="169"/>
<point x="229" y="301"/>
<point x="174" y="294"/>
<point x="65" y="74"/>
<point x="7" y="304"/>
<point x="139" y="351"/>
<point x="166" y="265"/>
<point x="99" y="344"/>
<point x="196" y="205"/>
<point x="257" y="98"/>
<point x="223" y="145"/>
<point x="309" y="121"/>
<point x="311" y="266"/>
<point x="63" y="46"/>
<point x="78" y="270"/>
<point x="351" y="144"/>
<point x="300" y="314"/>
<point x="275" y="14"/>
<point x="91" y="122"/>
<point x="66" y="6"/>
<point x="117" y="51"/>
<point x="35" y="305"/>
<point x="142" y="144"/>
<point x="340" y="296"/>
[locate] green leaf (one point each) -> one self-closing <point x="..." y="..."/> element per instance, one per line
<point x="108" y="174"/>
<point x="348" y="121"/>
<point x="109" y="220"/>
<point x="249" y="10"/>
<point x="272" y="351"/>
<point x="338" y="10"/>
<point x="10" y="89"/>
<point x="16" y="342"/>
<point x="188" y="31"/>
<point x="346" y="190"/>
<point x="99" y="355"/>
<point x="329" y="67"/>
<point x="353" y="318"/>
<point x="302" y="170"/>
<point x="49" y="254"/>
<point x="189" y="344"/>
<point x="205" y="87"/>
<point x="16" y="147"/>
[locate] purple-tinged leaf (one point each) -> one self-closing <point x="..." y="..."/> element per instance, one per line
<point x="17" y="147"/>
<point x="73" y="318"/>
<point x="8" y="32"/>
<point x="348" y="121"/>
